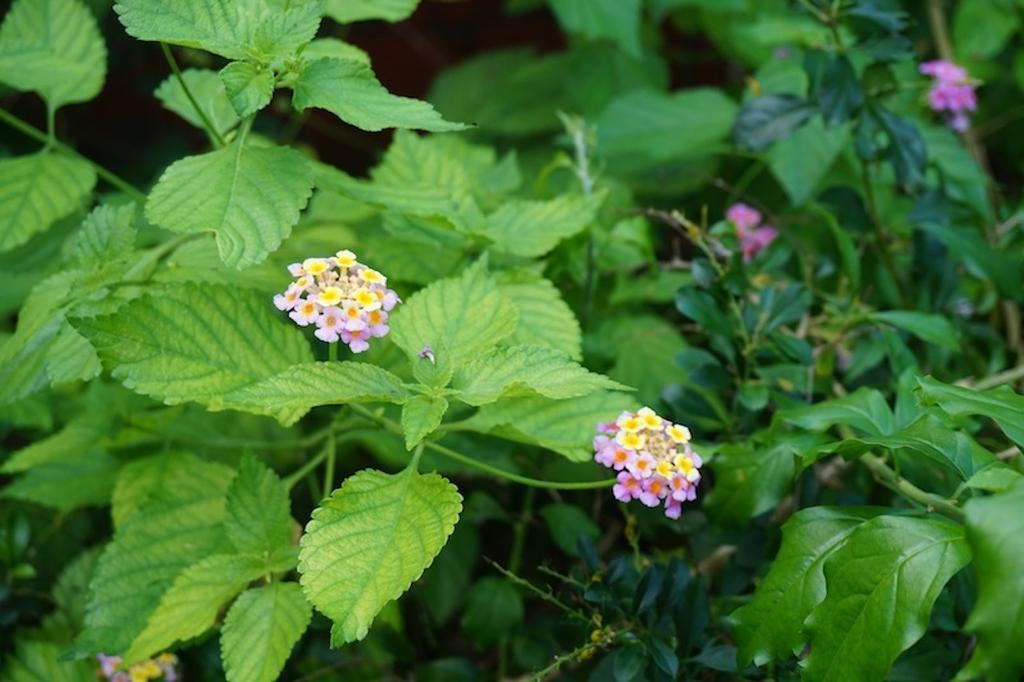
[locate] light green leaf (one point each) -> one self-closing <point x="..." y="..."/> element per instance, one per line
<point x="54" y="48"/>
<point x="865" y="410"/>
<point x="370" y="541"/>
<point x="544" y="316"/>
<point x="107" y="234"/>
<point x="250" y="196"/>
<point x="195" y="343"/>
<point x="140" y="479"/>
<point x="464" y="315"/>
<point x="421" y="415"/>
<point x="526" y="370"/>
<point x="350" y="91"/>
<point x="532" y="228"/>
<point x="208" y="90"/>
<point x="332" y="48"/>
<point x="1000" y="404"/>
<point x="38" y="660"/>
<point x="224" y="27"/>
<point x="36" y="191"/>
<point x="564" y="426"/>
<point x="927" y="327"/>
<point x="282" y="34"/>
<point x="70" y="357"/>
<point x="248" y="86"/>
<point x="645" y="349"/>
<point x="259" y="519"/>
<point x="801" y="160"/>
<point x="769" y="627"/>
<point x="293" y="391"/>
<point x="260" y="631"/>
<point x="995" y="531"/>
<point x="190" y="607"/>
<point x="617" y="20"/>
<point x="178" y="526"/>
<point x="77" y="479"/>
<point x="880" y="589"/>
<point x="79" y="435"/>
<point x="347" y="11"/>
<point x="981" y="28"/>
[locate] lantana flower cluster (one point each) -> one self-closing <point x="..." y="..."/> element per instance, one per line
<point x="343" y="298"/>
<point x="653" y="456"/>
<point x="754" y="237"/>
<point x="163" y="667"/>
<point x="951" y="93"/>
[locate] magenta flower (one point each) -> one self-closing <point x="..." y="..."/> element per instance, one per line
<point x="951" y="93"/>
<point x="753" y="239"/>
<point x="743" y="217"/>
<point x="626" y="487"/>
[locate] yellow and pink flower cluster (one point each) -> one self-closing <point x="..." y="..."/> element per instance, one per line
<point x="345" y="299"/>
<point x="653" y="456"/>
<point x="163" y="667"/>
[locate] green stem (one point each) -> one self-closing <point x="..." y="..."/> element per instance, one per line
<point x="1007" y="377"/>
<point x="38" y="135"/>
<point x="51" y="125"/>
<point x="494" y="471"/>
<point x="332" y="352"/>
<point x="894" y="481"/>
<point x="210" y="129"/>
<point x="331" y="447"/>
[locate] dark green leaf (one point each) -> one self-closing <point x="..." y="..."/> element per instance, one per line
<point x="768" y="118"/>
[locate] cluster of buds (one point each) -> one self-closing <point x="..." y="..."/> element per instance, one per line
<point x="346" y="300"/>
<point x="951" y="93"/>
<point x="653" y="457"/>
<point x="754" y="237"/>
<point x="163" y="667"/>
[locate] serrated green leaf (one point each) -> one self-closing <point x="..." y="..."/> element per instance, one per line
<point x="77" y="436"/>
<point x="38" y="660"/>
<point x="532" y="228"/>
<point x="350" y="91"/>
<point x="282" y="34"/>
<point x="564" y="426"/>
<point x="544" y="316"/>
<point x="880" y="588"/>
<point x="295" y="390"/>
<point x="347" y="11"/>
<point x="617" y="20"/>
<point x="260" y="631"/>
<point x="179" y="525"/>
<point x="370" y="541"/>
<point x="139" y="479"/>
<point x="78" y="478"/>
<point x="421" y="415"/>
<point x="770" y="626"/>
<point x="931" y="328"/>
<point x="208" y="90"/>
<point x="248" y="86"/>
<point x="224" y="27"/>
<point x="333" y="48"/>
<point x="467" y="315"/>
<point x="995" y="531"/>
<point x="526" y="370"/>
<point x="1001" y="404"/>
<point x="107" y="234"/>
<point x="37" y="190"/>
<point x="250" y="196"/>
<point x="52" y="47"/>
<point x="194" y="343"/>
<point x="191" y="604"/>
<point x="259" y="519"/>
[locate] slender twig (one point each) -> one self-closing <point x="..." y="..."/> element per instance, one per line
<point x="207" y="123"/>
<point x="494" y="471"/>
<point x="892" y="480"/>
<point x="40" y="136"/>
<point x="331" y="447"/>
<point x="1006" y="377"/>
<point x="544" y="595"/>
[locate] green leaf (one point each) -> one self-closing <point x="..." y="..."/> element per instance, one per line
<point x="178" y="526"/>
<point x="78" y="478"/>
<point x="139" y="479"/>
<point x="224" y="27"/>
<point x="563" y="426"/>
<point x="370" y="541"/>
<point x="840" y="96"/>
<point x="544" y="317"/>
<point x="77" y="436"/>
<point x="995" y="531"/>
<point x="466" y="315"/>
<point x="250" y="196"/>
<point x="37" y="190"/>
<point x="685" y="124"/>
<point x="38" y="660"/>
<point x="347" y="11"/>
<point x="865" y="410"/>
<point x="52" y="47"/>
<point x="801" y="161"/>
<point x="617" y="20"/>
<point x="107" y="234"/>
<point x="248" y="86"/>
<point x="880" y="588"/>
<point x="1000" y="404"/>
<point x="258" y="519"/>
<point x="71" y="357"/>
<point x="282" y="35"/>
<point x="567" y="524"/>
<point x="769" y="627"/>
<point x="260" y="631"/>
<point x="907" y="151"/>
<point x="334" y="49"/>
<point x="293" y="391"/>
<point x="350" y="91"/>
<point x="931" y="328"/>
<point x="190" y="342"/>
<point x="981" y="28"/>
<point x="768" y="118"/>
<point x="532" y="228"/>
<point x="644" y="348"/>
<point x="208" y="90"/>
<point x="421" y="415"/>
<point x="190" y="607"/>
<point x="494" y="609"/>
<point x="526" y="370"/>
